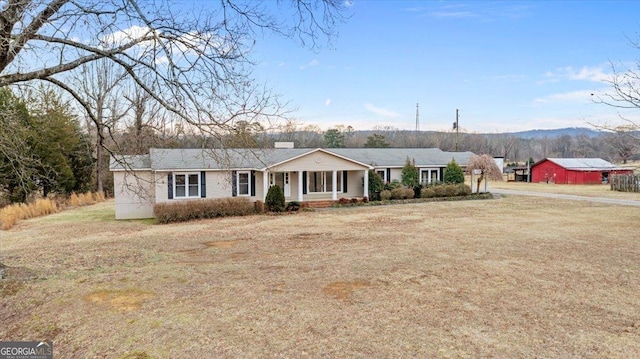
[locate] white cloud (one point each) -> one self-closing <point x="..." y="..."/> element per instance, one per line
<point x="381" y="111"/>
<point x="327" y="102"/>
<point x="586" y="73"/>
<point x="126" y="35"/>
<point x="573" y="96"/>
<point x="311" y="63"/>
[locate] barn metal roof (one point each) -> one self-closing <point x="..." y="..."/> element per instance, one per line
<point x="585" y="164"/>
<point x="201" y="159"/>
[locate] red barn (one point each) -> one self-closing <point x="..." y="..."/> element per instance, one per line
<point x="575" y="171"/>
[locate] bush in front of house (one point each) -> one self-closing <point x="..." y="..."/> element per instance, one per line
<point x="409" y="193"/>
<point x="453" y="173"/>
<point x="463" y="189"/>
<point x="427" y="192"/>
<point x="385" y="195"/>
<point x="376" y="185"/>
<point x="275" y="201"/>
<point x="293" y="206"/>
<point x="181" y="211"/>
<point x="446" y="190"/>
<point x="398" y="193"/>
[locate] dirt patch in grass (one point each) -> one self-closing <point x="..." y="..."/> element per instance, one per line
<point x="13" y="279"/>
<point x="125" y="300"/>
<point x="221" y="244"/>
<point x="343" y="290"/>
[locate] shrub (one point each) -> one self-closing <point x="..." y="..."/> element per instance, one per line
<point x="343" y="200"/>
<point x="428" y="192"/>
<point x="410" y="174"/>
<point x="385" y="195"/>
<point x="463" y="189"/>
<point x="409" y="193"/>
<point x="180" y="211"/>
<point x="275" y="199"/>
<point x="453" y="174"/>
<point x="440" y="191"/>
<point x="398" y="193"/>
<point x="376" y="184"/>
<point x="293" y="206"/>
<point x="391" y="185"/>
<point x="260" y="208"/>
<point x="417" y="190"/>
<point x="450" y="190"/>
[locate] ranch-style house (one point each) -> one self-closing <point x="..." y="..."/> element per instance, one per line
<point x="304" y="174"/>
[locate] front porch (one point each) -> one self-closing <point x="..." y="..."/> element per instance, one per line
<point x="315" y="186"/>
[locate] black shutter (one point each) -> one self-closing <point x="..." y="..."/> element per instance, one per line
<point x="170" y="185"/>
<point x="234" y="187"/>
<point x="389" y="175"/>
<point x="203" y="185"/>
<point x="253" y="183"/>
<point x="344" y="181"/>
<point x="304" y="182"/>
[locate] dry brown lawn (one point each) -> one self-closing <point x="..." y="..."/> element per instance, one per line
<point x="516" y="277"/>
<point x="577" y="190"/>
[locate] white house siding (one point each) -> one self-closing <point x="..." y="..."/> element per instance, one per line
<point x="355" y="186"/>
<point x="218" y="185"/>
<point x="134" y="194"/>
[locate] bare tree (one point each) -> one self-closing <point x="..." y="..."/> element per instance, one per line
<point x="487" y="167"/>
<point x="193" y="62"/>
<point x="624" y="96"/>
<point x="99" y="87"/>
<point x="624" y="142"/>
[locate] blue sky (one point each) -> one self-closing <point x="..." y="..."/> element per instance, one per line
<point x="506" y="65"/>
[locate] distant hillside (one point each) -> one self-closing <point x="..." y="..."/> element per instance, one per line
<point x="571" y="131"/>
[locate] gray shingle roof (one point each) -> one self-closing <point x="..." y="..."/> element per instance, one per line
<point x="199" y="159"/>
<point x="122" y="162"/>
<point x="396" y="157"/>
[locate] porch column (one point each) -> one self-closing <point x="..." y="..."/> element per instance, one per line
<point x="366" y="183"/>
<point x="300" y="189"/>
<point x="334" y="185"/>
<point x="265" y="184"/>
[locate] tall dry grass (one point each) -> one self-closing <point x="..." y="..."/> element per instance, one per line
<point x="11" y="214"/>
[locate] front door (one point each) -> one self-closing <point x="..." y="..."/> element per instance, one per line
<point x="281" y="179"/>
<point x="287" y="184"/>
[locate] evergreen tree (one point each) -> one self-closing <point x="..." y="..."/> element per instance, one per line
<point x="333" y="138"/>
<point x="453" y="174"/>
<point x="376" y="185"/>
<point x="410" y="174"/>
<point x="376" y="141"/>
<point x="275" y="199"/>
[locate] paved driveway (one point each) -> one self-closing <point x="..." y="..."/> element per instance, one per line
<point x="623" y="202"/>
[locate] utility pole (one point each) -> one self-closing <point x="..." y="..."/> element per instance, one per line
<point x="417" y="117"/>
<point x="457" y="128"/>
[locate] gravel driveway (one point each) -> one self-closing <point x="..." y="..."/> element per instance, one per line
<point x="623" y="202"/>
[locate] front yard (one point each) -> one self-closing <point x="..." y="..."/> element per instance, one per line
<point x="513" y="277"/>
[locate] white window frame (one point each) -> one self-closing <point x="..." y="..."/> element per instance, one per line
<point x="428" y="171"/>
<point x="186" y="184"/>
<point x="248" y="194"/>
<point x="323" y="180"/>
<point x="382" y="173"/>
